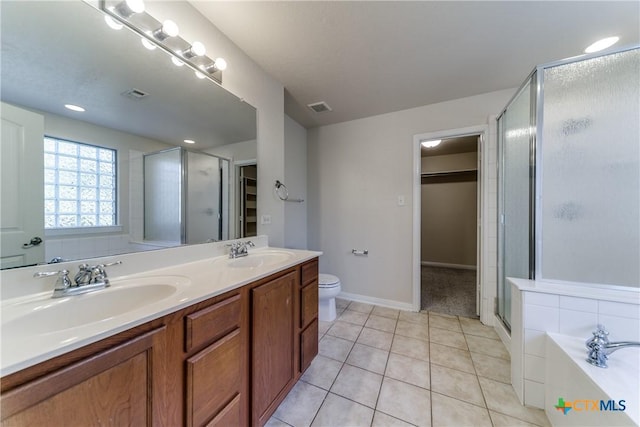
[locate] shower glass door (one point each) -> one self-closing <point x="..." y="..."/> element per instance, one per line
<point x="515" y="140"/>
<point x="203" y="204"/>
<point x="163" y="196"/>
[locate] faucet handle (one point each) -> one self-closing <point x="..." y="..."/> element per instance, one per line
<point x="601" y="332"/>
<point x="99" y="272"/>
<point x="249" y="243"/>
<point x="63" y="281"/>
<point x="600" y="337"/>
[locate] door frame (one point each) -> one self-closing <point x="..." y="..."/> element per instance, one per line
<point x="236" y="190"/>
<point x="482" y="131"/>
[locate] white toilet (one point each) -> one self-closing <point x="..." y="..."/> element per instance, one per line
<point x="328" y="289"/>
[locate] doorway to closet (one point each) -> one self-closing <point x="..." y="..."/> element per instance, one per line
<point x="449" y="225"/>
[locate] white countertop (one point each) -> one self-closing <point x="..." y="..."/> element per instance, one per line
<point x="196" y="281"/>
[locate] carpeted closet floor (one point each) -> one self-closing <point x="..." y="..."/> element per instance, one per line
<point x="449" y="291"/>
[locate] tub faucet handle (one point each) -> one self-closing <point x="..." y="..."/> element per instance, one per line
<point x="601" y="333"/>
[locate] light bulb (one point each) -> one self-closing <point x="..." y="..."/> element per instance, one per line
<point x="176" y="61"/>
<point x="189" y="141"/>
<point x="602" y="44"/>
<point x="200" y="75"/>
<point x="146" y="43"/>
<point x="112" y="23"/>
<point x="136" y="6"/>
<point x="198" y="49"/>
<point x="170" y="28"/>
<point x="220" y="64"/>
<point x="129" y="7"/>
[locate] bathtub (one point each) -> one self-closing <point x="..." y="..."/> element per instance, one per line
<point x="588" y="395"/>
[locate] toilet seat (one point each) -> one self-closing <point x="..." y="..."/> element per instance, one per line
<point x="328" y="281"/>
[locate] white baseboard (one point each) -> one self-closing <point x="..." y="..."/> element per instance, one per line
<point x="502" y="332"/>
<point x="446" y="265"/>
<point x="377" y="301"/>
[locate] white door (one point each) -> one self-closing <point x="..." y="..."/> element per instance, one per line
<point x="22" y="187"/>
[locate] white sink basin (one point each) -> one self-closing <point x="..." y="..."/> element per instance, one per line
<point x="54" y="315"/>
<point x="258" y="259"/>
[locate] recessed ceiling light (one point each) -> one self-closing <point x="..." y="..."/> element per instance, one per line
<point x="74" y="108"/>
<point x="189" y="141"/>
<point x="431" y="144"/>
<point x="602" y="44"/>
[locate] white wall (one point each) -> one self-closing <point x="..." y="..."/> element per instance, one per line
<point x="449" y="212"/>
<point x="248" y="81"/>
<point x="357" y="170"/>
<point x="295" y="178"/>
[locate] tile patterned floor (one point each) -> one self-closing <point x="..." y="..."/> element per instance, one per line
<point x="381" y="367"/>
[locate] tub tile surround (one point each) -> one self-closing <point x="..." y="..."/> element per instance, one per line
<point x="540" y="307"/>
<point x="414" y="381"/>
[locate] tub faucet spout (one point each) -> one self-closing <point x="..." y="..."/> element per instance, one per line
<point x="599" y="347"/>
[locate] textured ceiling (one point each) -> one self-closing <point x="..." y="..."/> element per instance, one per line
<point x="372" y="57"/>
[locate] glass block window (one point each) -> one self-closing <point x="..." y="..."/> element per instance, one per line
<point x="79" y="185"/>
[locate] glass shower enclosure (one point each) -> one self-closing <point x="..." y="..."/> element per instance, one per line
<point x="186" y="197"/>
<point x="569" y="175"/>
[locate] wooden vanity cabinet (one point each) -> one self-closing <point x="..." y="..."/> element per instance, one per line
<point x="121" y="385"/>
<point x="227" y="361"/>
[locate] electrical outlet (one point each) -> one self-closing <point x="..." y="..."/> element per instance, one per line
<point x="265" y="219"/>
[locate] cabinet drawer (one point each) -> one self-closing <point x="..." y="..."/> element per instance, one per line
<point x="207" y="325"/>
<point x="308" y="304"/>
<point x="213" y="379"/>
<point x="309" y="272"/>
<point x="308" y="345"/>
<point x="230" y="416"/>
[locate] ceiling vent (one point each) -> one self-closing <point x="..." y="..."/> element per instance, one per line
<point x="320" y="107"/>
<point x="135" y="94"/>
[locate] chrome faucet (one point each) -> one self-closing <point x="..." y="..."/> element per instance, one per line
<point x="87" y="279"/>
<point x="240" y="249"/>
<point x="599" y="347"/>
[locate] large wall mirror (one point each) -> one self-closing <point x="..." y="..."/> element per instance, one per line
<point x="139" y="106"/>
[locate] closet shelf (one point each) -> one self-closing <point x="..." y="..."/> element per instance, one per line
<point x="449" y="172"/>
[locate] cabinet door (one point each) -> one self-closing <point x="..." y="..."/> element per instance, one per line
<point x="273" y="343"/>
<point x="121" y="386"/>
<point x="213" y="381"/>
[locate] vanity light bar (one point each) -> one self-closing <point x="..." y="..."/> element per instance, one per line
<point x="165" y="35"/>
